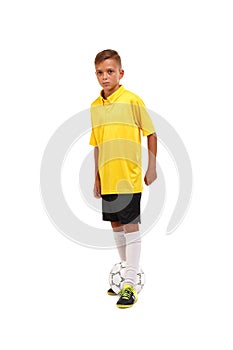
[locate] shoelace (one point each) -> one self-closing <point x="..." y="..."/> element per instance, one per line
<point x="126" y="294"/>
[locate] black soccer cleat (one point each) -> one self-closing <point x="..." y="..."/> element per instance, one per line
<point x="111" y="292"/>
<point x="128" y="297"/>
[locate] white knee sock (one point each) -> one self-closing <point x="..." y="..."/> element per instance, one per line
<point x="133" y="250"/>
<point x="120" y="243"/>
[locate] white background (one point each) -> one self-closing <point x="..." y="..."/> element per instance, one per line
<point x="177" y="56"/>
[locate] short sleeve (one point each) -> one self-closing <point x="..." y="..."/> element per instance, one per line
<point x="143" y="119"/>
<point x="147" y="126"/>
<point x="92" y="141"/>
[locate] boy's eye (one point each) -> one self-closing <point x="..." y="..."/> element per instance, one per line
<point x="99" y="73"/>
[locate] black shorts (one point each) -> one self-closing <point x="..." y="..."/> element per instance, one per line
<point x="124" y="208"/>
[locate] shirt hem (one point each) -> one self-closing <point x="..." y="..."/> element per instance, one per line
<point x="122" y="192"/>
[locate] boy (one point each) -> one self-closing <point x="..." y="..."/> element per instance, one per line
<point x="118" y="116"/>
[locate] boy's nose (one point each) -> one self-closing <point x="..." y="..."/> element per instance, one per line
<point x="105" y="75"/>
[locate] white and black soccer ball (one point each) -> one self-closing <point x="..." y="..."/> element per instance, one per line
<point x="117" y="277"/>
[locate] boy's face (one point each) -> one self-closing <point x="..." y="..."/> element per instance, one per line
<point x="109" y="74"/>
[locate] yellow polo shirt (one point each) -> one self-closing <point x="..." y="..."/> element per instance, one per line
<point x="117" y="123"/>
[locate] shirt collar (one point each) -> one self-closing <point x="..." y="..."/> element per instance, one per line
<point x="114" y="96"/>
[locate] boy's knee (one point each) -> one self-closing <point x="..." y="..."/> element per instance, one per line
<point x="117" y="226"/>
<point x="131" y="228"/>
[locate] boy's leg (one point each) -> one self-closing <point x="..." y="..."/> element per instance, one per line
<point x="119" y="237"/>
<point x="131" y="228"/>
<point x="133" y="250"/>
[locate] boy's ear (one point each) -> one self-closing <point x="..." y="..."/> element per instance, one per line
<point x="122" y="72"/>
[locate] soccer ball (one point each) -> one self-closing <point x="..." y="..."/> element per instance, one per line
<point x="117" y="277"/>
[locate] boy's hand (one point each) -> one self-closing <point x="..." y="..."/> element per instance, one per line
<point x="97" y="188"/>
<point x="150" y="176"/>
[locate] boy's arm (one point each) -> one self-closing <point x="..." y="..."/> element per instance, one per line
<point x="97" y="185"/>
<point x="151" y="174"/>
